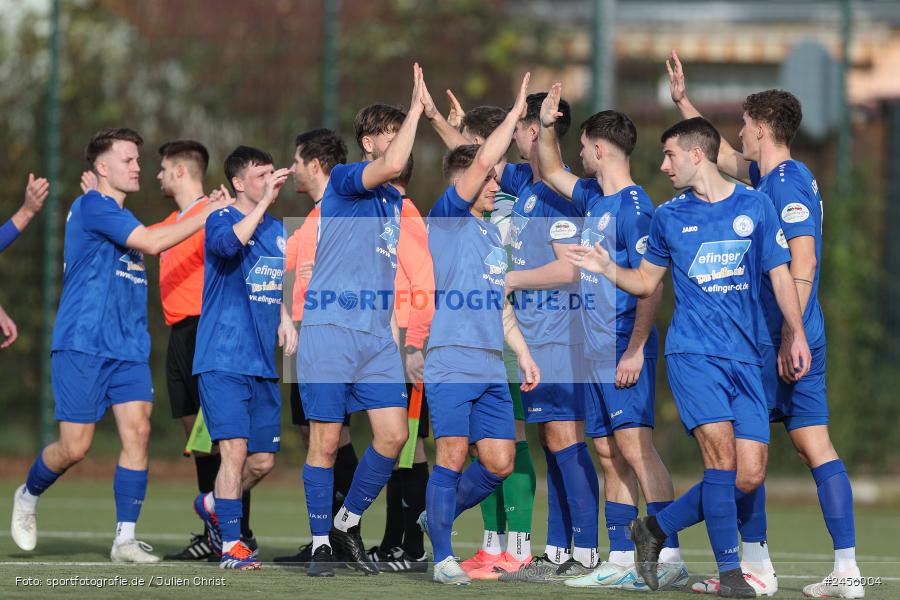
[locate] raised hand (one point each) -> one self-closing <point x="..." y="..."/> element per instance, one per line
<point x="520" y="106"/>
<point x="456" y="114"/>
<point x="7" y="329"/>
<point x="428" y="106"/>
<point x="89" y="181"/>
<point x="550" y="107"/>
<point x="417" y="102"/>
<point x="35" y="193"/>
<point x="274" y="182"/>
<point x="219" y="199"/>
<point x="676" y="78"/>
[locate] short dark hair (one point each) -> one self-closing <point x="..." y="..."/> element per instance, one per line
<point x="533" y="113"/>
<point x="375" y="119"/>
<point x="483" y="120"/>
<point x="405" y="174"/>
<point x="103" y="141"/>
<point x="611" y="126"/>
<point x="243" y="157"/>
<point x="323" y="145"/>
<point x="695" y="132"/>
<point x="778" y="109"/>
<point x="458" y="159"/>
<point x="187" y="150"/>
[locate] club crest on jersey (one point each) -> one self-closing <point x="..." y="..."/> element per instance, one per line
<point x="718" y="260"/>
<point x="794" y="212"/>
<point x="266" y="275"/>
<point x="779" y="237"/>
<point x="496" y="261"/>
<point x="530" y="202"/>
<point x="391" y="235"/>
<point x="279" y="241"/>
<point x="604" y="220"/>
<point x="742" y="225"/>
<point x="640" y="246"/>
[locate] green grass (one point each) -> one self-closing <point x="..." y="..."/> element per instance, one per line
<point x="76" y="526"/>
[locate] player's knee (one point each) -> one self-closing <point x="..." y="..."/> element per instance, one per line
<point x="75" y="451"/>
<point x="262" y="464"/>
<point x="501" y="466"/>
<point x="141" y="432"/>
<point x="749" y="481"/>
<point x="392" y="439"/>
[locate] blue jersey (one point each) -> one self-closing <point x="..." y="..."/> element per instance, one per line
<point x="352" y="284"/>
<point x="8" y="234"/>
<point x="242" y="292"/>
<point x="795" y="194"/>
<point x="469" y="266"/>
<point x="629" y="211"/>
<point x="103" y="307"/>
<point x="541" y="218"/>
<point x="719" y="253"/>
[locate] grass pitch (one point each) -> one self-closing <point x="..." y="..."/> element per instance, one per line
<point x="76" y="528"/>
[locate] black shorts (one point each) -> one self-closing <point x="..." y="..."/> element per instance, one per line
<point x="184" y="393"/>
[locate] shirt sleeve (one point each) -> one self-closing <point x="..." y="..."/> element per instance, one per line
<point x="795" y="206"/>
<point x="347" y="181"/>
<point x="221" y="240"/>
<point x="450" y="204"/>
<point x="657" y="248"/>
<point x="8" y="234"/>
<point x="634" y="234"/>
<point x="415" y="261"/>
<point x="774" y="247"/>
<point x="104" y="217"/>
<point x="582" y="193"/>
<point x="562" y="221"/>
<point x="514" y="176"/>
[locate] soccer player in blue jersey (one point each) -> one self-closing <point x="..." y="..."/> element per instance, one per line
<point x="348" y="359"/>
<point x="720" y="239"/>
<point x="464" y="370"/>
<point x="243" y="316"/>
<point x="619" y="413"/>
<point x="35" y="193"/>
<point x="100" y="350"/>
<point x="770" y="121"/>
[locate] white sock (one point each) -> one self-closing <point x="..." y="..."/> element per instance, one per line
<point x="556" y="554"/>
<point x="502" y="539"/>
<point x="28" y="499"/>
<point x="345" y="519"/>
<point x="623" y="558"/>
<point x="670" y="555"/>
<point x="844" y="560"/>
<point x="491" y="542"/>
<point x="209" y="502"/>
<point x="757" y="555"/>
<point x="227" y="546"/>
<point x="320" y="540"/>
<point x="124" y="532"/>
<point x="586" y="556"/>
<point x="518" y="543"/>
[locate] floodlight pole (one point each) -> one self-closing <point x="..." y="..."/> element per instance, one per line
<point x="845" y="133"/>
<point x="603" y="55"/>
<point x="51" y="224"/>
<point x="330" y="16"/>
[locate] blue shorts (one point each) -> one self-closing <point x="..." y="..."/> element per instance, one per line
<point x="242" y="406"/>
<point x="561" y="398"/>
<point x="801" y="404"/>
<point x="85" y="385"/>
<point x="709" y="389"/>
<point x="459" y="405"/>
<point x="342" y="371"/>
<point x="608" y="408"/>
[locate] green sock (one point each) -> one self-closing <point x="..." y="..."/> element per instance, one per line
<point x="518" y="491"/>
<point x="492" y="511"/>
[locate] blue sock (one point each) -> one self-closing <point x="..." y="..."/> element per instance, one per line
<point x="372" y="474"/>
<point x="582" y="493"/>
<point x="751" y="514"/>
<point x="318" y="483"/>
<point x="618" y="517"/>
<point x="836" y="500"/>
<point x="654" y="508"/>
<point x="685" y="511"/>
<point x="40" y="477"/>
<point x="129" y="489"/>
<point x="440" y="504"/>
<point x="475" y="484"/>
<point x="720" y="511"/>
<point x="559" y="521"/>
<point x="229" y="512"/>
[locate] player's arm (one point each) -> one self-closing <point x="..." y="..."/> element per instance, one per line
<point x="446" y="130"/>
<point x="516" y="341"/>
<point x="730" y="161"/>
<point x="36" y="192"/>
<point x="794" y="356"/>
<point x="803" y="266"/>
<point x="245" y="228"/>
<point x="8" y="329"/>
<point x="390" y="166"/>
<point x="553" y="172"/>
<point x="641" y="282"/>
<point x="555" y="274"/>
<point x="287" y="333"/>
<point x="493" y="148"/>
<point x="628" y="369"/>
